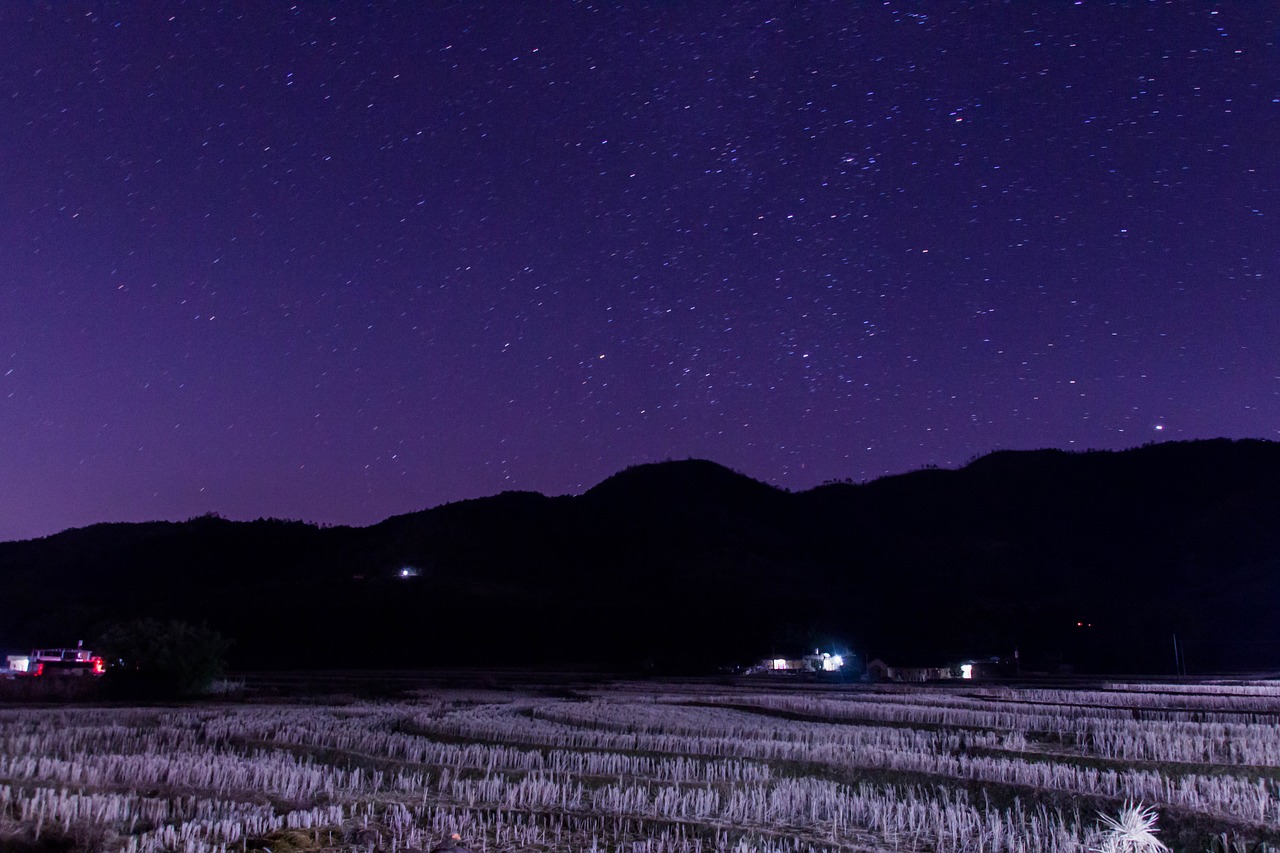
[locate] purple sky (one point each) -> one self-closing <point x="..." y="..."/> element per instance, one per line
<point x="341" y="263"/>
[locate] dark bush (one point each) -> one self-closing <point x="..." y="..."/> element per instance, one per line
<point x="162" y="659"/>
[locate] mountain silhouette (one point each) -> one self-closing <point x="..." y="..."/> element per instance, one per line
<point x="1091" y="560"/>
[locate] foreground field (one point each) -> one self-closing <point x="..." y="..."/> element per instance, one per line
<point x="652" y="767"/>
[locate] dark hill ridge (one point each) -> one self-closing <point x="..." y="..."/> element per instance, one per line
<point x="689" y="564"/>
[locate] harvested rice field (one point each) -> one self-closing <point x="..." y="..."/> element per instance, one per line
<point x="655" y="767"/>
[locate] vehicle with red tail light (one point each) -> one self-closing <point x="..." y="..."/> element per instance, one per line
<point x="57" y="663"/>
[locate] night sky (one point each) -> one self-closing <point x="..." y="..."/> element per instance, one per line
<point x="336" y="263"/>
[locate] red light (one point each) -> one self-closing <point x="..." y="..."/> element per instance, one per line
<point x="99" y="666"/>
<point x="39" y="669"/>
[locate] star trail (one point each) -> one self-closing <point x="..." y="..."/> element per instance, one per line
<point x="336" y="262"/>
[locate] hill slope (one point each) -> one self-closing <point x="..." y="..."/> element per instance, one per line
<point x="688" y="564"/>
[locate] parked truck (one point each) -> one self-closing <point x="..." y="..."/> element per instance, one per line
<point x="57" y="662"/>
